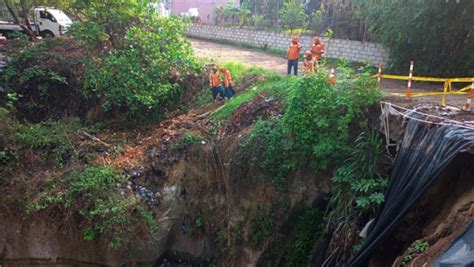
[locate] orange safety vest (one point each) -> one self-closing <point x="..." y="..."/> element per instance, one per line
<point x="308" y="67"/>
<point x="214" y="79"/>
<point x="227" y="79"/>
<point x="294" y="51"/>
<point x="317" y="50"/>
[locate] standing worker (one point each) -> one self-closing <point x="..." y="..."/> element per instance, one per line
<point x="308" y="63"/>
<point x="317" y="50"/>
<point x="215" y="83"/>
<point x="293" y="54"/>
<point x="228" y="83"/>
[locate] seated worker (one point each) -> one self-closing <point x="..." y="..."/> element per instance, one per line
<point x="228" y="83"/>
<point x="317" y="50"/>
<point x="215" y="84"/>
<point x="308" y="64"/>
<point x="293" y="54"/>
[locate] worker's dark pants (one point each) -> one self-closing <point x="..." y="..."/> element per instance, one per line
<point x="293" y="63"/>
<point x="229" y="92"/>
<point x="217" y="90"/>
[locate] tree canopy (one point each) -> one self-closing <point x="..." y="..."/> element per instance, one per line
<point x="436" y="34"/>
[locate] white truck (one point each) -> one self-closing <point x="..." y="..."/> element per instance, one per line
<point x="48" y="22"/>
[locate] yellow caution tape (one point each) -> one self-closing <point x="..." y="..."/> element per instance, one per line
<point x="426" y="79"/>
<point x="430" y="94"/>
<point x="461" y="80"/>
<point x="467" y="88"/>
<point x="446" y="87"/>
<point x="414" y="78"/>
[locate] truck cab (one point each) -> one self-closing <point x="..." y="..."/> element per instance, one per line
<point x="51" y="22"/>
<point x="46" y="21"/>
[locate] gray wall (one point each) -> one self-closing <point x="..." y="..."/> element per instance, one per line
<point x="356" y="51"/>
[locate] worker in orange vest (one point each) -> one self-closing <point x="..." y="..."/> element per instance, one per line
<point x="308" y="63"/>
<point x="317" y="50"/>
<point x="215" y="84"/>
<point x="293" y="54"/>
<point x="228" y="83"/>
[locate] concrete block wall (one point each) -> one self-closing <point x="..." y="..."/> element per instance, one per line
<point x="355" y="51"/>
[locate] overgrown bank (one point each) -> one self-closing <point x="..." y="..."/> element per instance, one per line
<point x="276" y="136"/>
<point x="110" y="138"/>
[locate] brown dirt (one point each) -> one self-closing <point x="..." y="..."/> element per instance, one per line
<point x="222" y="52"/>
<point x="261" y="107"/>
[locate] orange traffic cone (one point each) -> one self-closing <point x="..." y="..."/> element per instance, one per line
<point x="332" y="76"/>
<point x="470" y="95"/>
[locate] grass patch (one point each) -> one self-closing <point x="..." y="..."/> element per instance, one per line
<point x="272" y="85"/>
<point x="272" y="82"/>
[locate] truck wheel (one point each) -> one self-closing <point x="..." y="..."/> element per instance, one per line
<point x="47" y="34"/>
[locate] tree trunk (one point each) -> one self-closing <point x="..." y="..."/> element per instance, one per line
<point x="26" y="28"/>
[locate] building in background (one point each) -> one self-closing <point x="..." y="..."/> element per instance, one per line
<point x="204" y="7"/>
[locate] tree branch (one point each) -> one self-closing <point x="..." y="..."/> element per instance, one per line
<point x="25" y="28"/>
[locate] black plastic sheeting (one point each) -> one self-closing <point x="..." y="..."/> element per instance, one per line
<point x="461" y="251"/>
<point x="425" y="151"/>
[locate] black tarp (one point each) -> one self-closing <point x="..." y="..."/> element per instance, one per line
<point x="460" y="253"/>
<point x="425" y="151"/>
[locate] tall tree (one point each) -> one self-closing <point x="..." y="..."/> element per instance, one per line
<point x="293" y="14"/>
<point x="437" y="34"/>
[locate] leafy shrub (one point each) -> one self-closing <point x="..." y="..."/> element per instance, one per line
<point x="53" y="137"/>
<point x="318" y="116"/>
<point x="435" y="35"/>
<point x="108" y="20"/>
<point x="417" y="247"/>
<point x="46" y="78"/>
<point x="136" y="79"/>
<point x="361" y="175"/>
<point x="359" y="185"/>
<point x="315" y="126"/>
<point x="97" y="192"/>
<point x="270" y="156"/>
<point x="99" y="197"/>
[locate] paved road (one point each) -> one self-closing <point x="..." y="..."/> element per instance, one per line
<point x="223" y="52"/>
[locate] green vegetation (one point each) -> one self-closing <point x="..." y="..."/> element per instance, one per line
<point x="96" y="194"/>
<point x="123" y="57"/>
<point x="8" y="154"/>
<point x="360" y="173"/>
<point x="434" y="34"/>
<point x="293" y="245"/>
<point x="274" y="84"/>
<point x="52" y="137"/>
<point x="263" y="220"/>
<point x="187" y="138"/>
<point x="44" y="77"/>
<point x="137" y="77"/>
<point x="359" y="184"/>
<point x="308" y="227"/>
<point x="312" y="109"/>
<point x="293" y="14"/>
<point x="416" y="248"/>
